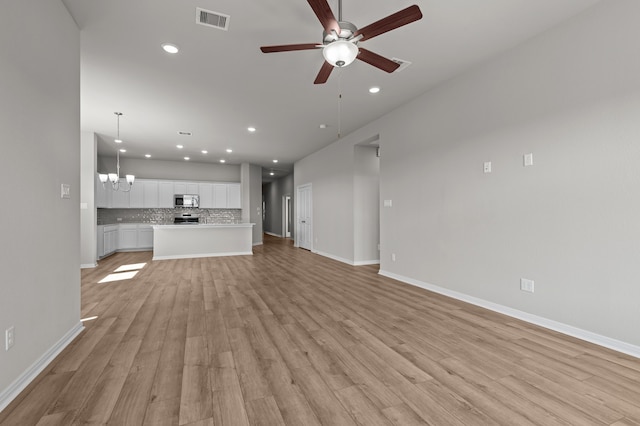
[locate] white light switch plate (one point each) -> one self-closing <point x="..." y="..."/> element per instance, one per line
<point x="528" y="159"/>
<point x="65" y="191"/>
<point x="487" y="166"/>
<point x="388" y="203"/>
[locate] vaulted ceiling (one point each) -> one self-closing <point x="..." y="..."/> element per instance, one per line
<point x="220" y="83"/>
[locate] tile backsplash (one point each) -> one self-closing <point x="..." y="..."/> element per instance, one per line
<point x="165" y="216"/>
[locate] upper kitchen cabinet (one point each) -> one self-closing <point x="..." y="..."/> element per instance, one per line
<point x="144" y="194"/>
<point x="120" y="199"/>
<point x="151" y="199"/>
<point x="103" y="194"/>
<point x="205" y="190"/>
<point x="165" y="194"/>
<point x="190" y="188"/>
<point x="234" y="198"/>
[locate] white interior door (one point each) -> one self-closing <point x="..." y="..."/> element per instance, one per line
<point x="304" y="234"/>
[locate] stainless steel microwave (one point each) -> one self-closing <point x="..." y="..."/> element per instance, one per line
<point x="186" y="200"/>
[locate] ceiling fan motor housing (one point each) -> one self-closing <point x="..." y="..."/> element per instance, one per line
<point x="347" y="29"/>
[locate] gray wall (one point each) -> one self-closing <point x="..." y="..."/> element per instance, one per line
<point x="40" y="122"/>
<point x="88" y="241"/>
<point x="366" y="197"/>
<point x="179" y="170"/>
<point x="570" y="222"/>
<point x="272" y="194"/>
<point x="255" y="202"/>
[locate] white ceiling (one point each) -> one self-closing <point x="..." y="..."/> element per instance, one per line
<point x="220" y="83"/>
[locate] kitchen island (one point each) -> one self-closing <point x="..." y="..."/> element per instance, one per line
<point x="202" y="240"/>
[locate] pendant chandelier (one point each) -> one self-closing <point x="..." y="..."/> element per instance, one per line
<point x="114" y="178"/>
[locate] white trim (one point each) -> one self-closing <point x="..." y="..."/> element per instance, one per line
<point x="18" y="385"/>
<point x="273" y="234"/>
<point x="598" y="339"/>
<point x="347" y="261"/>
<point x="367" y="262"/>
<point x="331" y="256"/>
<point x="88" y="265"/>
<point x="259" y="243"/>
<point x="192" y="256"/>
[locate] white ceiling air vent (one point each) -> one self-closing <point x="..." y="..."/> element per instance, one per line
<point x="403" y="64"/>
<point x="212" y="19"/>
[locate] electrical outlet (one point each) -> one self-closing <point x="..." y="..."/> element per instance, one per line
<point x="9" y="338"/>
<point x="526" y="285"/>
<point x="393" y="257"/>
<point x="487" y="166"/>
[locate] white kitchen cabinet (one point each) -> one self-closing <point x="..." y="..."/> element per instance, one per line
<point x="136" y="195"/>
<point x="234" y="199"/>
<point x="205" y="190"/>
<point x="145" y="237"/>
<point x="103" y="194"/>
<point x="128" y="237"/>
<point x="219" y="195"/>
<point x="183" y="187"/>
<point x="110" y="241"/>
<point x="119" y="198"/>
<point x="100" y="239"/>
<point x="150" y="194"/>
<point x="165" y="194"/>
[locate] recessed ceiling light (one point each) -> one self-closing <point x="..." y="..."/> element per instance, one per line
<point x="229" y="150"/>
<point x="271" y="173"/>
<point x="275" y="161"/>
<point x="148" y="155"/>
<point x="170" y="48"/>
<point x="179" y="146"/>
<point x="251" y="129"/>
<point x="374" y="90"/>
<point x="222" y="160"/>
<point x="187" y="158"/>
<point x="204" y="151"/>
<point x="185" y="133"/>
<point x="123" y="150"/>
<point x="117" y="140"/>
<point x="323" y="126"/>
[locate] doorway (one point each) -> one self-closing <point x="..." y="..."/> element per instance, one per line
<point x="286" y="216"/>
<point x="304" y="217"/>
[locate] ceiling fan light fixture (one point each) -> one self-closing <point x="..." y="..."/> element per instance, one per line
<point x="340" y="53"/>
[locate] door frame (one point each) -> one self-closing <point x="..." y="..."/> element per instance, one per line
<point x="298" y="200"/>
<point x="286" y="216"/>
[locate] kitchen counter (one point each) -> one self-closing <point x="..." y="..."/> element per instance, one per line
<point x="202" y="240"/>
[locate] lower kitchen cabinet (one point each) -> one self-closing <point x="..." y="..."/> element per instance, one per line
<point x="124" y="237"/>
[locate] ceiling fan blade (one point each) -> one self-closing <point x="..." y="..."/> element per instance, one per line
<point x="325" y="15"/>
<point x="377" y="61"/>
<point x="290" y="47"/>
<point x="391" y="22"/>
<point x="324" y="73"/>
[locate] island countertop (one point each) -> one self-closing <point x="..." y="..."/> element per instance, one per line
<point x="205" y="225"/>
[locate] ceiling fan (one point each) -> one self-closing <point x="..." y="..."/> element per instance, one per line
<point x="340" y="39"/>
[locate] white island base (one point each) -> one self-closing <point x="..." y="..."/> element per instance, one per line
<point x="188" y="241"/>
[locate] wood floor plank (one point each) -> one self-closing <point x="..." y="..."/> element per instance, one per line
<point x="288" y="337"/>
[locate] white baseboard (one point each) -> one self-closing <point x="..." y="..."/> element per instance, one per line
<point x="259" y="243"/>
<point x="598" y="339"/>
<point x="366" y="262"/>
<point x="347" y="261"/>
<point x="88" y="265"/>
<point x="331" y="256"/>
<point x="273" y="234"/>
<point x="14" y="389"/>
<point x="192" y="256"/>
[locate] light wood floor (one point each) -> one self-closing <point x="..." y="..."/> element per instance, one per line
<point x="289" y="337"/>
